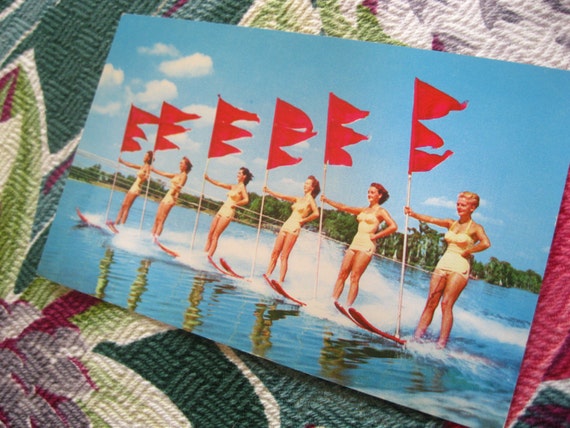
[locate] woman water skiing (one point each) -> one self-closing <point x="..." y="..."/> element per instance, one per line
<point x="143" y="174"/>
<point x="237" y="196"/>
<point x="304" y="210"/>
<point x="363" y="246"/>
<point x="177" y="182"/>
<point x="451" y="274"/>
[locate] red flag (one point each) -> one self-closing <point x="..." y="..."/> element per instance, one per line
<point x="290" y="126"/>
<point x="340" y="114"/>
<point x="168" y="125"/>
<point x="429" y="103"/>
<point x="136" y="117"/>
<point x="224" y="129"/>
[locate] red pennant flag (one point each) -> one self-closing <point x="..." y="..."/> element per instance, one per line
<point x="136" y="117"/>
<point x="168" y="125"/>
<point x="429" y="103"/>
<point x="171" y="114"/>
<point x="340" y="114"/>
<point x="224" y="129"/>
<point x="290" y="126"/>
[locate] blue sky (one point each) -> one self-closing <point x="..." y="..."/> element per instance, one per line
<point x="510" y="144"/>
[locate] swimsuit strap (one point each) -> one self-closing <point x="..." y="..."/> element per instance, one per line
<point x="466" y="230"/>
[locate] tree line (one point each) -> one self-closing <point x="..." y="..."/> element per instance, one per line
<point x="425" y="245"/>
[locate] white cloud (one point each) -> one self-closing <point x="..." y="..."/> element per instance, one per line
<point x="185" y="143"/>
<point x="195" y="65"/>
<point x="159" y="49"/>
<point x="207" y="114"/>
<point x="440" y="202"/>
<point x="487" y="220"/>
<point x="108" y="109"/>
<point x="260" y="161"/>
<point x="155" y="92"/>
<point x="111" y="76"/>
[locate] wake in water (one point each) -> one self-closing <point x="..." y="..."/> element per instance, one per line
<point x="311" y="280"/>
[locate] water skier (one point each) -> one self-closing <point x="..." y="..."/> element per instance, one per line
<point x="304" y="210"/>
<point x="451" y="274"/>
<point x="135" y="190"/>
<point x="177" y="182"/>
<point x="237" y="196"/>
<point x="363" y="246"/>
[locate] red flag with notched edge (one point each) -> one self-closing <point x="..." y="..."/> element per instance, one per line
<point x="136" y="117"/>
<point x="171" y="114"/>
<point x="291" y="126"/>
<point x="340" y="114"/>
<point x="168" y="125"/>
<point x="224" y="129"/>
<point x="429" y="103"/>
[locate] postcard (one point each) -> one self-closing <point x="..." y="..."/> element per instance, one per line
<point x="261" y="189"/>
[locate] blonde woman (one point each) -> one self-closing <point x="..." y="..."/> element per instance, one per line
<point x="451" y="274"/>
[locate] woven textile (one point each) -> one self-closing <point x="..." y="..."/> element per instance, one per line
<point x="68" y="359"/>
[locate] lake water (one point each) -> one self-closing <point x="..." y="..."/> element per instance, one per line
<point x="471" y="382"/>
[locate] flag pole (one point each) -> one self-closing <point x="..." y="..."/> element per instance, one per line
<point x="111" y="195"/>
<point x="259" y="224"/>
<point x="404" y="255"/>
<point x="199" y="205"/>
<point x="321" y="213"/>
<point x="146" y="194"/>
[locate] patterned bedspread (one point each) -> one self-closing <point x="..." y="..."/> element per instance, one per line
<point x="68" y="359"/>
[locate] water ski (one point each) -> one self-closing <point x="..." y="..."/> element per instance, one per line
<point x="221" y="269"/>
<point x="85" y="220"/>
<point x="227" y="267"/>
<point x="165" y="248"/>
<point x="111" y="226"/>
<point x="343" y="311"/>
<point x="360" y="319"/>
<point x="277" y="287"/>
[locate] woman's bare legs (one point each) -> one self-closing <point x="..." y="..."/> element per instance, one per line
<point x="277" y="247"/>
<point x="161" y="214"/>
<point x="360" y="262"/>
<point x="288" y="244"/>
<point x="125" y="208"/>
<point x="447" y="288"/>
<point x="343" y="273"/>
<point x="217" y="227"/>
<point x="455" y="285"/>
<point x="436" y="287"/>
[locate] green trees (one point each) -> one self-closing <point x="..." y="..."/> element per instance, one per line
<point x="425" y="245"/>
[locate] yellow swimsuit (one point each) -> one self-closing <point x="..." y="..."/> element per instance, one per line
<point x="452" y="260"/>
<point x="367" y="224"/>
<point x="142" y="175"/>
<point x="175" y="186"/>
<point x="227" y="210"/>
<point x="299" y="211"/>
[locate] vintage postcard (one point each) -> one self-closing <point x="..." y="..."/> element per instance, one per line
<point x="261" y="189"/>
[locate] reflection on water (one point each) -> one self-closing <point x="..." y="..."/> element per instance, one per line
<point x="339" y="356"/>
<point x="478" y="370"/>
<point x="334" y="360"/>
<point x="261" y="332"/>
<point x="265" y="314"/>
<point x="103" y="277"/>
<point x="139" y="285"/>
<point x="192" y="315"/>
<point x="422" y="381"/>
